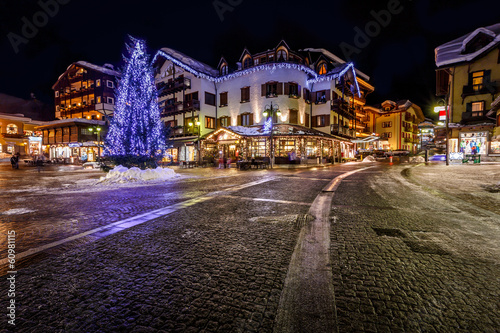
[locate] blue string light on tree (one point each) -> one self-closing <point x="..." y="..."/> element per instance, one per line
<point x="136" y="128"/>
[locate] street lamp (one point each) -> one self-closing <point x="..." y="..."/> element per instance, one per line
<point x="98" y="132"/>
<point x="269" y="113"/>
<point x="444" y="113"/>
<point x="199" y="130"/>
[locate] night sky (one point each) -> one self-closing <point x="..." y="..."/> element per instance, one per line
<point x="399" y="57"/>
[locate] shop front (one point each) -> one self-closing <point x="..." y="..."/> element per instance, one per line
<point x="472" y="143"/>
<point x="74" y="140"/>
<point x="290" y="144"/>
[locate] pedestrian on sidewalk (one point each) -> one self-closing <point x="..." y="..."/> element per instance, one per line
<point x="225" y="161"/>
<point x="14" y="161"/>
<point x="39" y="162"/>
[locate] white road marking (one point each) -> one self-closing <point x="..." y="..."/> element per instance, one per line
<point x="135" y="220"/>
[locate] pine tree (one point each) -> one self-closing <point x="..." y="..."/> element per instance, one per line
<point x="136" y="131"/>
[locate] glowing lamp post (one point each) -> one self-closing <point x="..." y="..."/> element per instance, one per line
<point x="269" y="113"/>
<point x="97" y="130"/>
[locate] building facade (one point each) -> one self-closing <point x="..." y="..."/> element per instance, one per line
<point x="18" y="134"/>
<point x="312" y="88"/>
<point x="73" y="140"/>
<point x="394" y="126"/>
<point x="85" y="90"/>
<point x="468" y="77"/>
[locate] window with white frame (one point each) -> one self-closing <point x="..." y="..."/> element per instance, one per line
<point x="111" y="100"/>
<point x="98" y="82"/>
<point x="110" y="84"/>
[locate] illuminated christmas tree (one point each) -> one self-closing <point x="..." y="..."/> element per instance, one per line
<point x="136" y="131"/>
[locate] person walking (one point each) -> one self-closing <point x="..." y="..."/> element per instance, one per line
<point x="14" y="161"/>
<point x="39" y="162"/>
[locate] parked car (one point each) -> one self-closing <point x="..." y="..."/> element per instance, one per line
<point x="438" y="157"/>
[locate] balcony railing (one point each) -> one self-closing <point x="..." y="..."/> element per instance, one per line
<point x="181" y="107"/>
<point x="335" y="129"/>
<point x="479" y="89"/>
<point x="342" y="108"/>
<point x="473" y="116"/>
<point x="179" y="84"/>
<point x="14" y="135"/>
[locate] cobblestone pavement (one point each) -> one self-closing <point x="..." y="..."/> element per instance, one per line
<point x="406" y="259"/>
<point x="218" y="266"/>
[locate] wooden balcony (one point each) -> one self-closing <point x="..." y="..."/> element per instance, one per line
<point x="342" y="108"/>
<point x="480" y="89"/>
<point x="335" y="129"/>
<point x="14" y="135"/>
<point x="172" y="87"/>
<point x="180" y="107"/>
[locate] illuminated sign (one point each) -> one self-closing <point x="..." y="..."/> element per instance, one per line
<point x="442" y="112"/>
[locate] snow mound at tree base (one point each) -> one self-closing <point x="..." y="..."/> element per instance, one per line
<point x="417" y="159"/>
<point x="121" y="174"/>
<point x="369" y="158"/>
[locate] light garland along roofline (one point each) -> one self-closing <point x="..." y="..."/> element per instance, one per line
<point x="316" y="78"/>
<point x="183" y="66"/>
<point x="272" y="67"/>
<point x="329" y="77"/>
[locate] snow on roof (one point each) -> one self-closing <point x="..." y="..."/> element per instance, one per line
<point x="98" y="68"/>
<point x="248" y="131"/>
<point x="452" y="52"/>
<point x="336" y="59"/>
<point x="278" y="129"/>
<point x="75" y="120"/>
<point x="194" y="64"/>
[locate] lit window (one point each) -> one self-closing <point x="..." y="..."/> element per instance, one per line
<point x="98" y="83"/>
<point x="11" y="129"/>
<point x="477" y="80"/>
<point x="478" y="106"/>
<point x="209" y="122"/>
<point x="322" y="68"/>
<point x="57" y="93"/>
<point x="98" y="99"/>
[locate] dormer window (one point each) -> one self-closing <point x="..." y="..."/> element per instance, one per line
<point x="322" y="68"/>
<point x="223" y="70"/>
<point x="282" y="55"/>
<point x="247" y="62"/>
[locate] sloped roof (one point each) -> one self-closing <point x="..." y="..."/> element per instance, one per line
<point x="453" y="52"/>
<point x="194" y="64"/>
<point x="278" y="129"/>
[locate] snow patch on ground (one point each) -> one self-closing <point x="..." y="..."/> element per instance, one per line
<point x="368" y="159"/>
<point x="18" y="211"/>
<point x="417" y="159"/>
<point x="121" y="174"/>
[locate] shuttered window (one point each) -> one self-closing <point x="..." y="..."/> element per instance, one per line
<point x="245" y="94"/>
<point x="223" y="99"/>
